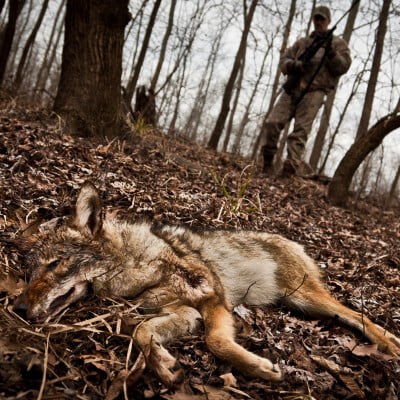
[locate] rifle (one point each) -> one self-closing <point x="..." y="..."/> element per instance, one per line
<point x="319" y="41"/>
<point x="305" y="57"/>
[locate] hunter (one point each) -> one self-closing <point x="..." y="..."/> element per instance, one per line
<point x="315" y="78"/>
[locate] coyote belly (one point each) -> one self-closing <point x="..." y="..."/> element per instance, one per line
<point x="185" y="275"/>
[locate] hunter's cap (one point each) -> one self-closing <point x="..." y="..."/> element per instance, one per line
<point x="323" y="11"/>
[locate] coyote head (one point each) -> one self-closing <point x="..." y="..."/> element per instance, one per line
<point x="65" y="260"/>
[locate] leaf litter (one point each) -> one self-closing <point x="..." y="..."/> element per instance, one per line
<point x="87" y="353"/>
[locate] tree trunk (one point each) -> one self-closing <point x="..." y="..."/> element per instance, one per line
<point x="392" y="193"/>
<point x="89" y="92"/>
<point x="274" y="92"/>
<point x="326" y="115"/>
<point x="369" y="96"/>
<point x="130" y="89"/>
<point x="354" y="90"/>
<point x="338" y="191"/>
<point x="2" y="2"/>
<point x="219" y="126"/>
<point x="39" y="78"/>
<point x="314" y="3"/>
<point x="245" y="118"/>
<point x="163" y="50"/>
<point x="181" y="84"/>
<point x="234" y="105"/>
<point x="202" y="91"/>
<point x="51" y="62"/>
<point x="28" y="45"/>
<point x="15" y="8"/>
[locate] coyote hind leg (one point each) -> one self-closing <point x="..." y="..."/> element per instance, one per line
<point x="219" y="332"/>
<point x="152" y="334"/>
<point x="314" y="300"/>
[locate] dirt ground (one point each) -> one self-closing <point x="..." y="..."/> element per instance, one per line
<point x="81" y="354"/>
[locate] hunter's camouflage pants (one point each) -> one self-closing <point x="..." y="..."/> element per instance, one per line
<point x="304" y="115"/>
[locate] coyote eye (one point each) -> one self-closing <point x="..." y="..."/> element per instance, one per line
<point x="53" y="265"/>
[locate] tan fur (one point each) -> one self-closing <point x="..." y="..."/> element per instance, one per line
<point x="184" y="276"/>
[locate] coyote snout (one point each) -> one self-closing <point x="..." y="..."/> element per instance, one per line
<point x="185" y="275"/>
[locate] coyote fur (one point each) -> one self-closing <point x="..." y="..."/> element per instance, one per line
<point x="186" y="276"/>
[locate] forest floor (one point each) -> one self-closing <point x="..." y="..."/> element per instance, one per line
<point x="80" y="355"/>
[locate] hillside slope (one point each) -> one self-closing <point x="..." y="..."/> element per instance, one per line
<point x="174" y="181"/>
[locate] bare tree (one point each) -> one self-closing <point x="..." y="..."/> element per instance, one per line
<point x="185" y="40"/>
<point x="338" y="191"/>
<point x="326" y="114"/>
<point x="13" y="13"/>
<point x="235" y="103"/>
<point x="354" y="90"/>
<point x="370" y="94"/>
<point x="41" y="78"/>
<point x="180" y="86"/>
<point x="48" y="76"/>
<point x="139" y="15"/>
<point x="245" y="117"/>
<point x="196" y="112"/>
<point x="314" y="3"/>
<point x="274" y="93"/>
<point x="19" y="34"/>
<point x="219" y="126"/>
<point x="164" y="44"/>
<point x="29" y="43"/>
<point x="393" y="187"/>
<point x="89" y="92"/>
<point x="130" y="88"/>
<point x="2" y="3"/>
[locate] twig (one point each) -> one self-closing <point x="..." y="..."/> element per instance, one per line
<point x="45" y="361"/>
<point x="248" y="290"/>
<point x="295" y="290"/>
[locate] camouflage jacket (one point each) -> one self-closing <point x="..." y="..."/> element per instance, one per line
<point x="328" y="76"/>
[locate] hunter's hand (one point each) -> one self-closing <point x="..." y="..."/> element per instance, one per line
<point x="330" y="52"/>
<point x="295" y="66"/>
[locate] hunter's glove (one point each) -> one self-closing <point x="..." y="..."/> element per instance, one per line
<point x="295" y="67"/>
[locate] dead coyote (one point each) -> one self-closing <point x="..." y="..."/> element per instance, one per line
<point x="185" y="275"/>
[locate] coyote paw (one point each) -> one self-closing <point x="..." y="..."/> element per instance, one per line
<point x="165" y="366"/>
<point x="266" y="370"/>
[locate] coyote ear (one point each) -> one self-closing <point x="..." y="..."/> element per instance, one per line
<point x="88" y="209"/>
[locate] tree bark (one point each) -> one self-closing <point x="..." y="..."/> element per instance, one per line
<point x="89" y="92"/>
<point x="2" y="2"/>
<point x="326" y="114"/>
<point x="163" y="50"/>
<point x="338" y="191"/>
<point x="13" y="13"/>
<point x="51" y="62"/>
<point x="369" y="96"/>
<point x="229" y="127"/>
<point x="393" y="188"/>
<point x="40" y="82"/>
<point x="28" y="44"/>
<point x="130" y="89"/>
<point x="245" y="119"/>
<point x="219" y="126"/>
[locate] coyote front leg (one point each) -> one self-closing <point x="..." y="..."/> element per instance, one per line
<point x="179" y="320"/>
<point x="220" y="338"/>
